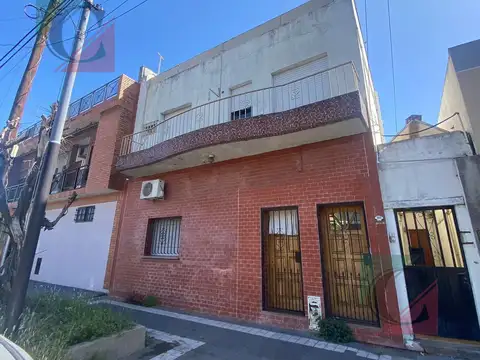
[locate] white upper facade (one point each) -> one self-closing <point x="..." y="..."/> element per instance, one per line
<point x="308" y="40"/>
<point x="422" y="171"/>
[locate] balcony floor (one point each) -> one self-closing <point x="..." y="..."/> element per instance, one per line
<point x="324" y="120"/>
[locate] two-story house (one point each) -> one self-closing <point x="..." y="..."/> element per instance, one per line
<point x="75" y="252"/>
<point x="253" y="189"/>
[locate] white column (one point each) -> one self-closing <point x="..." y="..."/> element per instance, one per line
<point x="472" y="257"/>
<point x="399" y="276"/>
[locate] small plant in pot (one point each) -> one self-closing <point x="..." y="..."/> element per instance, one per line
<point x="335" y="330"/>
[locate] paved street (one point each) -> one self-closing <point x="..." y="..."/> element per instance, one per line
<point x="243" y="341"/>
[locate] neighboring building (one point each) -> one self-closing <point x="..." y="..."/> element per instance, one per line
<point x="264" y="146"/>
<point x="460" y="91"/>
<point x="461" y="107"/>
<point x="415" y="127"/>
<point x="75" y="252"/>
<point x="435" y="255"/>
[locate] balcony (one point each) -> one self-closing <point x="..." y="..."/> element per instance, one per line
<point x="69" y="180"/>
<point x="105" y="92"/>
<point x="63" y="181"/>
<point x="319" y="107"/>
<point x="96" y="97"/>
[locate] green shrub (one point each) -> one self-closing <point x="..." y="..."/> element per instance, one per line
<point x="150" y="301"/>
<point x="335" y="330"/>
<point x="50" y="324"/>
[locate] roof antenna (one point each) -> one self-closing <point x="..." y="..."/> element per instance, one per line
<point x="159" y="62"/>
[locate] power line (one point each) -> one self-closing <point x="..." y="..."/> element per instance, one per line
<point x="393" y="66"/>
<point x="427" y="128"/>
<point x="44" y="22"/>
<point x="366" y="27"/>
<point x="32" y="30"/>
<point x="107" y="14"/>
<point x="107" y="22"/>
<point x="14" y="66"/>
<point x="122" y="14"/>
<point x="11" y="72"/>
<point x="88" y="31"/>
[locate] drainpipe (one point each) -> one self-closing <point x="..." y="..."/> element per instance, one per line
<point x="117" y="238"/>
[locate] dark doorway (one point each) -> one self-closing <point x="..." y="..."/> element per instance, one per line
<point x="438" y="285"/>
<point x="349" y="288"/>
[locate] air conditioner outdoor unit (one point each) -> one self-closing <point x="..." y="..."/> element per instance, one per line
<point x="152" y="190"/>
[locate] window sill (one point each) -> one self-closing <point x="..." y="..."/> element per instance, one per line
<point x="150" y="257"/>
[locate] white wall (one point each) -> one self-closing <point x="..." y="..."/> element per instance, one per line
<point x="452" y="102"/>
<point x="469" y="81"/>
<point x="421" y="172"/>
<point x="319" y="27"/>
<point x="75" y="254"/>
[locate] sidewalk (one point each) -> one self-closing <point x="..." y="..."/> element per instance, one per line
<point x="239" y="341"/>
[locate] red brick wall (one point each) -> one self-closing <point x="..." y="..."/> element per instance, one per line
<point x="103" y="152"/>
<point x="117" y="222"/>
<point x="114" y="124"/>
<point x="219" y="269"/>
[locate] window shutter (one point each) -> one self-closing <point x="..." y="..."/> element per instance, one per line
<point x="301" y="71"/>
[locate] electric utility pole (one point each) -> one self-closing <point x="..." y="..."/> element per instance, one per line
<point x="18" y="107"/>
<point x="33" y="63"/>
<point x="20" y="283"/>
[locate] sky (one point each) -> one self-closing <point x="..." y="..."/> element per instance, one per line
<point x="422" y="32"/>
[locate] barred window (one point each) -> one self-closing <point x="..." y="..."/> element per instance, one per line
<point x="163" y="237"/>
<point x="84" y="214"/>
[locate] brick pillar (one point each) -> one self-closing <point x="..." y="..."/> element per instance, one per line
<point x="102" y="160"/>
<point x="388" y="311"/>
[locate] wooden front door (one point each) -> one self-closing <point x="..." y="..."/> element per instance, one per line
<point x="282" y="265"/>
<point x="347" y="264"/>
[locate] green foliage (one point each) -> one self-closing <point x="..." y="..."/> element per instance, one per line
<point x="150" y="301"/>
<point x="335" y="330"/>
<point x="51" y="324"/>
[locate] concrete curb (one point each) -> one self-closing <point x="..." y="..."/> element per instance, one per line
<point x="111" y="347"/>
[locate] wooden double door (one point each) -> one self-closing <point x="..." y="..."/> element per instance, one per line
<point x="349" y="286"/>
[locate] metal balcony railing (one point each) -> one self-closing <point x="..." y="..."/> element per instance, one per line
<point x="96" y="97"/>
<point x="323" y="85"/>
<point x="63" y="181"/>
<point x="69" y="180"/>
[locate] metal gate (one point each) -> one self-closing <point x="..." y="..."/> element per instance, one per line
<point x="438" y="285"/>
<point x="282" y="263"/>
<point x="349" y="288"/>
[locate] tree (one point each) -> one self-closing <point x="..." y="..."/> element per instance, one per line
<point x="13" y="223"/>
